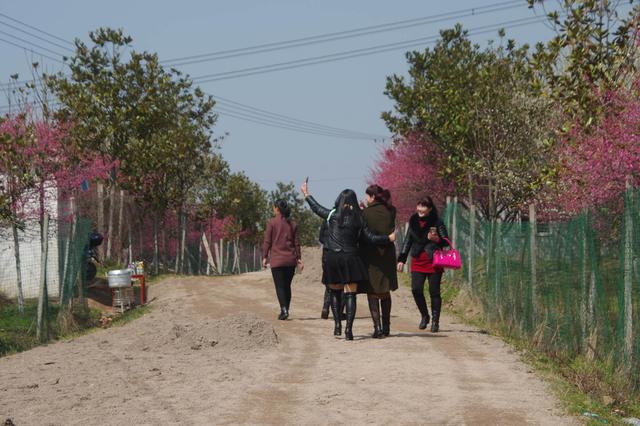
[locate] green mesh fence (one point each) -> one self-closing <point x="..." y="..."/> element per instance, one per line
<point x="570" y="287"/>
<point x="72" y="258"/>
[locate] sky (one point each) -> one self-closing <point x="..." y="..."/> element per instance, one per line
<point x="345" y="94"/>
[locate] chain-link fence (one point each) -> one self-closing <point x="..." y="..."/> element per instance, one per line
<point x="571" y="287"/>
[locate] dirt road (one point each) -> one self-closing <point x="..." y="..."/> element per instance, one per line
<point x="212" y="352"/>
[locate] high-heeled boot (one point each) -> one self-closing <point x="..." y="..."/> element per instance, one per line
<point x="374" y="308"/>
<point x="385" y="304"/>
<point x="326" y="303"/>
<point x="336" y="309"/>
<point x="351" y="315"/>
<point x="436" y="304"/>
<point x="421" y="303"/>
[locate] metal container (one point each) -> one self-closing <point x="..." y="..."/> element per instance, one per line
<point x="119" y="278"/>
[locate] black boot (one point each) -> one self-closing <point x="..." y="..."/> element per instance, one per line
<point x="421" y="303"/>
<point x="336" y="309"/>
<point x="436" y="304"/>
<point x="326" y="303"/>
<point x="374" y="308"/>
<point x="386" y="315"/>
<point x="284" y="313"/>
<point x="351" y="314"/>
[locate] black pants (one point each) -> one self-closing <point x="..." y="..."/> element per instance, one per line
<point x="282" y="278"/>
<point x="417" y="288"/>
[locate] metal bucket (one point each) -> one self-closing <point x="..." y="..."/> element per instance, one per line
<point x="119" y="278"/>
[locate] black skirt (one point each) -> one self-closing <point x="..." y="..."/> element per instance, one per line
<point x="344" y="268"/>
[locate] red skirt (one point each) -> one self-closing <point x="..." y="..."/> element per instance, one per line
<point x="423" y="264"/>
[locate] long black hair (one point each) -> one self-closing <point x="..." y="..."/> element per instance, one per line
<point x="284" y="208"/>
<point x="348" y="208"/>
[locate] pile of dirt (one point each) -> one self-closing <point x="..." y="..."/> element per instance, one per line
<point x="241" y="332"/>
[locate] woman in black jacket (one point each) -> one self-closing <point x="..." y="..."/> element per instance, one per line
<point x="344" y="267"/>
<point x="425" y="235"/>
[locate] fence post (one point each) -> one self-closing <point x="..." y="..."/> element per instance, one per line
<point x="42" y="328"/>
<point x="533" y="255"/>
<point x="628" y="274"/>
<point x="472" y="242"/>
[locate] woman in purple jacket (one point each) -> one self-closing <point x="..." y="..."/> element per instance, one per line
<point x="282" y="247"/>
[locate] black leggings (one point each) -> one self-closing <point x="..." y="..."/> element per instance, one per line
<point x="417" y="288"/>
<point x="282" y="278"/>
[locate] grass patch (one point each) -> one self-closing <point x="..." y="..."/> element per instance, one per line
<point x="18" y="332"/>
<point x="583" y="385"/>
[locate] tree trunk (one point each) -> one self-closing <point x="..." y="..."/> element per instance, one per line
<point x="472" y="238"/>
<point x="42" y="325"/>
<point x="533" y="256"/>
<point x="156" y="268"/>
<point x="16" y="250"/>
<point x="628" y="276"/>
<point x="183" y="241"/>
<point x="112" y="206"/>
<point x="63" y="288"/>
<point x="119" y="232"/>
<point x="100" y="207"/>
<point x="165" y="262"/>
<point x="199" y="262"/>
<point x="207" y="249"/>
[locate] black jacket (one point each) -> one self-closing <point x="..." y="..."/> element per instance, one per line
<point x="416" y="239"/>
<point x="345" y="238"/>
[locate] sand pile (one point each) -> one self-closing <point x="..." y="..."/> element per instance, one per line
<point x="241" y="332"/>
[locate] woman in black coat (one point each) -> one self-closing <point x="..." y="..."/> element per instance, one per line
<point x="425" y="235"/>
<point x="344" y="266"/>
<point x="380" y="217"/>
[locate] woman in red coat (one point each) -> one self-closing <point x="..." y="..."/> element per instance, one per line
<point x="282" y="247"/>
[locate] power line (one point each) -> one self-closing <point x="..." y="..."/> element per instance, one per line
<point x="36" y="28"/>
<point x="262" y="69"/>
<point x="341" y="35"/>
<point x="31" y="43"/>
<point x="247" y="109"/>
<point x="31" y="50"/>
<point x="37" y="36"/>
<point x="321" y="38"/>
<point x="266" y="122"/>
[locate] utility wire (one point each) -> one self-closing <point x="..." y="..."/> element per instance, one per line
<point x="262" y="69"/>
<point x="269" y="123"/>
<point x="247" y="109"/>
<point x="30" y="50"/>
<point x="341" y="35"/>
<point x="36" y="28"/>
<point x="31" y="43"/>
<point x="37" y="36"/>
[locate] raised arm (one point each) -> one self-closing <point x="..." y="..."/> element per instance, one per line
<point x="318" y="209"/>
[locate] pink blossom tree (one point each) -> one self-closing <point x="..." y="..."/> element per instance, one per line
<point x="598" y="162"/>
<point x="410" y="171"/>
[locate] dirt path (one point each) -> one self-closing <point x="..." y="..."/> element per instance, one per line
<point x="212" y="352"/>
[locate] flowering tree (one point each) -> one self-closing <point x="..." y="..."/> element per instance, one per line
<point x="409" y="170"/>
<point x="598" y="162"/>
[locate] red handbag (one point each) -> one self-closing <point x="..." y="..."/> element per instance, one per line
<point x="447" y="258"/>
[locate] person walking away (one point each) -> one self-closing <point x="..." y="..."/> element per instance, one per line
<point x="281" y="247"/>
<point x="380" y="217"/>
<point x="426" y="234"/>
<point x="345" y="268"/>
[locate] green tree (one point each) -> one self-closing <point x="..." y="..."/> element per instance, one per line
<point x="476" y="105"/>
<point x="308" y="223"/>
<point x="594" y="48"/>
